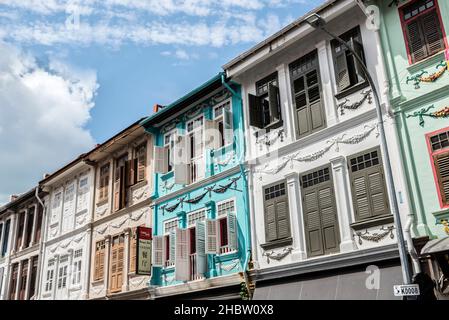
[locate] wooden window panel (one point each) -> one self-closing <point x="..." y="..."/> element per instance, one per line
<point x="117" y="261"/>
<point x="141" y="163"/>
<point x="14" y="279"/>
<point x="99" y="260"/>
<point x="277" y="221"/>
<point x="23" y="280"/>
<point x="133" y="251"/>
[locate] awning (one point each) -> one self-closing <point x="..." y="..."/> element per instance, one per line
<point x="435" y="246"/>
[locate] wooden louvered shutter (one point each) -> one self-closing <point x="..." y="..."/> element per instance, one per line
<point x="97" y="263"/>
<point x="160" y="161"/>
<point x="182" y="255"/>
<point x="123" y="179"/>
<point x="141" y="163"/>
<point x="442" y="170"/>
<point x="255" y="111"/>
<point x="228" y="125"/>
<point x="416" y="41"/>
<point x="133" y="251"/>
<point x="212" y="135"/>
<point x="273" y="97"/>
<point x="270" y="220"/>
<point x="283" y="221"/>
<point x="361" y="197"/>
<point x="113" y="271"/>
<point x="117" y="185"/>
<point x="181" y="160"/>
<point x="232" y="231"/>
<point x="378" y="191"/>
<point x="200" y="246"/>
<point x="329" y="220"/>
<point x="130" y="172"/>
<point x="314" y="100"/>
<point x="433" y="33"/>
<point x="314" y="235"/>
<point x="341" y="70"/>
<point x="172" y="246"/>
<point x="120" y="263"/>
<point x="158" y="251"/>
<point x="211" y="236"/>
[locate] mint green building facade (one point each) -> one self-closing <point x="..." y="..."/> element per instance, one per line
<point x="415" y="49"/>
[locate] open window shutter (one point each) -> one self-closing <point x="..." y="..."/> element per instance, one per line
<point x="361" y="196"/>
<point x="378" y="191"/>
<point x="120" y="264"/>
<point x="211" y="237"/>
<point x="117" y="184"/>
<point x="212" y="135"/>
<point x="182" y="255"/>
<point x="181" y="168"/>
<point x="282" y="217"/>
<point x="122" y="187"/>
<point x="158" y="251"/>
<point x="255" y="111"/>
<point x="313" y="223"/>
<point x="141" y="163"/>
<point x="228" y="125"/>
<point x="200" y="245"/>
<point x="232" y="231"/>
<point x="341" y="70"/>
<point x="358" y="48"/>
<point x="329" y="220"/>
<point x="270" y="220"/>
<point x="97" y="263"/>
<point x="133" y="251"/>
<point x="442" y="169"/>
<point x="273" y="96"/>
<point x="160" y="162"/>
<point x="416" y="41"/>
<point x="129" y="172"/>
<point x="101" y="263"/>
<point x="433" y="33"/>
<point x="173" y="248"/>
<point x="114" y="261"/>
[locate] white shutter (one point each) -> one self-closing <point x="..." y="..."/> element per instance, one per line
<point x="182" y="255"/>
<point x="160" y="162"/>
<point x="211" y="236"/>
<point x="68" y="217"/>
<point x="212" y="135"/>
<point x="180" y="159"/>
<point x="172" y="254"/>
<point x="232" y="231"/>
<point x="201" y="260"/>
<point x="83" y="194"/>
<point x="227" y="126"/>
<point x="158" y="251"/>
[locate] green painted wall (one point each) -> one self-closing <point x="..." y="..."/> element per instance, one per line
<point x="406" y="100"/>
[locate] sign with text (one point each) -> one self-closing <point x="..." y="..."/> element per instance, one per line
<point x="406" y="290"/>
<point x="143" y="254"/>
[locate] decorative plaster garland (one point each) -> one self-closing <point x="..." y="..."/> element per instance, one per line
<point x="376" y="236"/>
<point x="344" y="105"/>
<point x="418" y="78"/>
<point x="424" y="112"/>
<point x="318" y="154"/>
<point x="65" y="245"/>
<point x="277" y="256"/>
<point x="226" y="160"/>
<point x="231" y="266"/>
<point x="266" y="139"/>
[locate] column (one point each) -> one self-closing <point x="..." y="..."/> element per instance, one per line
<point x="14" y="230"/>
<point x="24" y="231"/>
<point x="326" y="66"/>
<point x="18" y="284"/>
<point x="2" y="238"/>
<point x="342" y="198"/>
<point x="33" y="232"/>
<point x="55" y="277"/>
<point x="296" y="216"/>
<point x="86" y="264"/>
<point x="286" y="101"/>
<point x="30" y="268"/>
<point x="125" y="285"/>
<point x="107" y="243"/>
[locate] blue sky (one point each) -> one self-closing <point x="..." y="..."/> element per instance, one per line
<point x="73" y="73"/>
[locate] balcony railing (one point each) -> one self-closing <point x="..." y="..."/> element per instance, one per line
<point x="169" y="263"/>
<point x="225" y="249"/>
<point x="197" y="169"/>
<point x="194" y="275"/>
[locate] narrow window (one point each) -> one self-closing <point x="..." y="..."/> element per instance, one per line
<point x="104" y="183"/>
<point x="277" y="221"/>
<point x="99" y="260"/>
<point x="439" y="152"/>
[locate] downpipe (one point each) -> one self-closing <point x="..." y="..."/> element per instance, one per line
<point x="41" y="246"/>
<point x="410" y="246"/>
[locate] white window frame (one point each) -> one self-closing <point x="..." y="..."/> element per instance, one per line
<point x="167" y="234"/>
<point x="189" y="225"/>
<point x="221" y="118"/>
<point x="49" y="281"/>
<point x="218" y="217"/>
<point x="77" y="266"/>
<point x="170" y="146"/>
<point x="193" y="160"/>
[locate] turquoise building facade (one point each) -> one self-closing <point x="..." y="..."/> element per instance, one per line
<point x="201" y="232"/>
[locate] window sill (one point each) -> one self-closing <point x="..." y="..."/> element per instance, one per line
<point x="138" y="185"/>
<point x="97" y="282"/>
<point x="102" y="202"/>
<point x="277" y="243"/>
<point x="227" y="256"/>
<point x="373" y="222"/>
<point x="167" y="175"/>
<point x="267" y="129"/>
<point x="441" y="215"/>
<point x="426" y="63"/>
<point x="351" y="90"/>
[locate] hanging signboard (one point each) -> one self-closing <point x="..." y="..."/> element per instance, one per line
<point x="143" y="254"/>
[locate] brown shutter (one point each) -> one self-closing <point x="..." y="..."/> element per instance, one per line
<point x="442" y="170"/>
<point x="255" y="111"/>
<point x="141" y="163"/>
<point x="433" y="33"/>
<point x="122" y="187"/>
<point x="341" y="70"/>
<point x="117" y="186"/>
<point x="416" y="41"/>
<point x="329" y="220"/>
<point x="133" y="251"/>
<point x="99" y="260"/>
<point x="117" y="260"/>
<point x="273" y="97"/>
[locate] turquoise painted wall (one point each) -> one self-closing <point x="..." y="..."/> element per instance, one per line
<point x="406" y="99"/>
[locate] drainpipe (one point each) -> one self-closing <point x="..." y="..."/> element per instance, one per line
<point x="41" y="246"/>
<point x="410" y="246"/>
<point x="223" y="82"/>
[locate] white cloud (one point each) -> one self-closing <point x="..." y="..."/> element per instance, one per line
<point x="43" y="116"/>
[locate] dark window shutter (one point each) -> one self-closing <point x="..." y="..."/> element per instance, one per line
<point x="273" y="96"/>
<point x="416" y="41"/>
<point x="361" y="197"/>
<point x="283" y="223"/>
<point x="342" y="71"/>
<point x="122" y="187"/>
<point x="442" y="169"/>
<point x="313" y="224"/>
<point x="378" y="191"/>
<point x="255" y="111"/>
<point x="433" y="33"/>
<point x="358" y="48"/>
<point x="277" y="220"/>
<point x="270" y="221"/>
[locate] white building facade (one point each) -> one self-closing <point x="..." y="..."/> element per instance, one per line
<point x="69" y="203"/>
<point x="319" y="195"/>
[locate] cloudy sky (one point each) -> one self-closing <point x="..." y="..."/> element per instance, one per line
<point x="75" y="72"/>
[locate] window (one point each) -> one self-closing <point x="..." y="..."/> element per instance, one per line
<point x="6" y="238"/>
<point x="120" y="183"/>
<point x="133" y="250"/>
<point x="56" y="206"/>
<point x="23" y="280"/>
<point x="99" y="260"/>
<point x="33" y="277"/>
<point x="68" y="217"/>
<point x="76" y="275"/>
<point x="309" y="113"/>
<point x="117" y="262"/>
<point x="169" y="144"/>
<point x="223" y="124"/>
<point x="196" y="248"/>
<point x="29" y="227"/>
<point x="195" y="136"/>
<point x="62" y="272"/>
<point x="439" y="152"/>
<point x="19" y="238"/>
<point x="141" y="160"/>
<point x="423" y="29"/>
<point x="369" y="190"/>
<point x="37" y="235"/>
<point x="14" y="279"/>
<point x="104" y="183"/>
<point x="277" y="221"/>
<point x="50" y="275"/>
<point x="348" y="72"/>
<point x="221" y="233"/>
<point x="169" y="242"/>
<point x="264" y="107"/>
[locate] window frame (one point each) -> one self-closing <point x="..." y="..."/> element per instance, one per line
<point x="432" y="154"/>
<point x="103" y="183"/>
<point x="167" y="244"/>
<point x="170" y="148"/>
<point x="199" y="174"/>
<point x="404" y="25"/>
<point x="267" y="80"/>
<point x="220" y="118"/>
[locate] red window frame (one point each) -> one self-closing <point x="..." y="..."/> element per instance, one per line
<point x="432" y="163"/>
<point x="223" y="231"/>
<point x="404" y="25"/>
